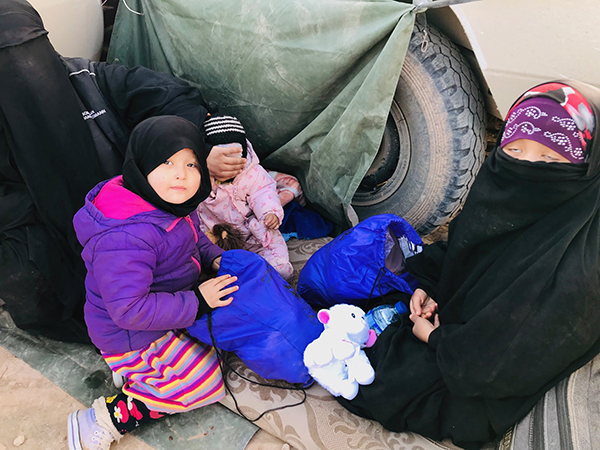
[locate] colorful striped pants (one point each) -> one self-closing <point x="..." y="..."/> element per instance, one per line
<point x="173" y="374"/>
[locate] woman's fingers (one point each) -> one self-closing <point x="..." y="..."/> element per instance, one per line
<point x="417" y="300"/>
<point x="223" y="167"/>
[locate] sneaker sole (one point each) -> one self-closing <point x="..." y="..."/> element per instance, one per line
<point x="73" y="432"/>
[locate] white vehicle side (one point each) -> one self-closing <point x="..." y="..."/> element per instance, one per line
<point x="518" y="44"/>
<point x="75" y="27"/>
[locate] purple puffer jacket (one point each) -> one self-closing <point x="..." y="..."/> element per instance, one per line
<point x="142" y="264"/>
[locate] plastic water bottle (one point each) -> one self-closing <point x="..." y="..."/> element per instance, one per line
<point x="379" y="318"/>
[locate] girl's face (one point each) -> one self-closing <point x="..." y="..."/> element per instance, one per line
<point x="528" y="150"/>
<point x="178" y="178"/>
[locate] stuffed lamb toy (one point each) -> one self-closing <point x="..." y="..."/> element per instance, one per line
<point x="336" y="359"/>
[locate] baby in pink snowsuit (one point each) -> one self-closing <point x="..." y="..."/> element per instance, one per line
<point x="249" y="201"/>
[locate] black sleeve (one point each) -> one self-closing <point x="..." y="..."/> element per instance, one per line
<point x="139" y="93"/>
<point x="203" y="307"/>
<point x="426" y="266"/>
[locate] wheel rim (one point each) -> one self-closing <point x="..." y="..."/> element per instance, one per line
<point x="390" y="166"/>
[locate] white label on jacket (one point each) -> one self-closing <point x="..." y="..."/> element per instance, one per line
<point x="92" y="114"/>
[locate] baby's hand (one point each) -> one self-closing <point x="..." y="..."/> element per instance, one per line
<point x="271" y="221"/>
<point x="216" y="264"/>
<point x="216" y="288"/>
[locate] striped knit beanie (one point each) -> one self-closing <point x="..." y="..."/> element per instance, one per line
<point x="225" y="130"/>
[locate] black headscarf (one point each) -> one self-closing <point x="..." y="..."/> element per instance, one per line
<point x="154" y="141"/>
<point x="518" y="289"/>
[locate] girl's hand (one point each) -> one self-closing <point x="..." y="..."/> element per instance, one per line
<point x="271" y="221"/>
<point x="422" y="327"/>
<point x="215" y="289"/>
<point x="216" y="264"/>
<point x="422" y="304"/>
<point x="223" y="167"/>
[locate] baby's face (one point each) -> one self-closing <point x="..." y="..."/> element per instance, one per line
<point x="178" y="178"/>
<point x="528" y="150"/>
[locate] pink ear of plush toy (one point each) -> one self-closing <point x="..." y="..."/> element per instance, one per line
<point x="323" y="316"/>
<point x="372" y="338"/>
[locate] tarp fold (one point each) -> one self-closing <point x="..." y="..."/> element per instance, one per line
<point x="311" y="80"/>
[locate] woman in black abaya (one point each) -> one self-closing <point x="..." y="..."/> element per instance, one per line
<point x="510" y="305"/>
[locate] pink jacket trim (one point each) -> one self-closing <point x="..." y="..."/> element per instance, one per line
<point x="192" y="226"/>
<point x="197" y="263"/>
<point x="117" y="202"/>
<point x="175" y="222"/>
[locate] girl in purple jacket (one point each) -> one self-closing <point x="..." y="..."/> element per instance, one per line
<point x="144" y="254"/>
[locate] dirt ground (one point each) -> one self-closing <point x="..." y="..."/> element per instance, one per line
<point x="34" y="409"/>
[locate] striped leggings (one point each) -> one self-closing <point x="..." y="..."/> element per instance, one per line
<point x="173" y="374"/>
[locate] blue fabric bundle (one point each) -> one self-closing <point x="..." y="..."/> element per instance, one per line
<point x="355" y="266"/>
<point x="303" y="223"/>
<point x="267" y="325"/>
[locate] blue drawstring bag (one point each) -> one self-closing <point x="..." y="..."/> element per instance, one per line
<point x="364" y="262"/>
<point x="267" y="325"/>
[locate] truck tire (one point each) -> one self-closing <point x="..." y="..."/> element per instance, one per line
<point x="434" y="140"/>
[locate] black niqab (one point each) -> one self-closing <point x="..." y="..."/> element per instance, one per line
<point x="154" y="141"/>
<point x="518" y="289"/>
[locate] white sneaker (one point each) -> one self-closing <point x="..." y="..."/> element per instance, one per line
<point x="118" y="380"/>
<point x="84" y="432"/>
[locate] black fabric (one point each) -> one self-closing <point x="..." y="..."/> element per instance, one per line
<point x="114" y="99"/>
<point x="28" y="294"/>
<point x="203" y="307"/>
<point x="19" y="23"/>
<point x="154" y="141"/>
<point x="128" y="413"/>
<point x="518" y="290"/>
<point x="40" y="126"/>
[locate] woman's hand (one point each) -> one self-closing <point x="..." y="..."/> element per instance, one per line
<point x="215" y="289"/>
<point x="422" y="327"/>
<point x="422" y="304"/>
<point x="224" y="167"/>
<point x="271" y="221"/>
<point x="216" y="264"/>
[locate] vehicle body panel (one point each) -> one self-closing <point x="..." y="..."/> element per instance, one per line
<point x="75" y="27"/>
<point x="518" y="44"/>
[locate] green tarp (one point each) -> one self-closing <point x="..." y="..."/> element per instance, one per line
<point x="311" y="80"/>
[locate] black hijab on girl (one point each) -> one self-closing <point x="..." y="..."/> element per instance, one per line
<point x="151" y="143"/>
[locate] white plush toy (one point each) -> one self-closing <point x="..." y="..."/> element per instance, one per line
<point x="335" y="359"/>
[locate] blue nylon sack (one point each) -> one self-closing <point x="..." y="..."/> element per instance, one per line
<point x="267" y="325"/>
<point x="352" y="267"/>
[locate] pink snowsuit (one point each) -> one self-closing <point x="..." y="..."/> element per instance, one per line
<point x="244" y="203"/>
